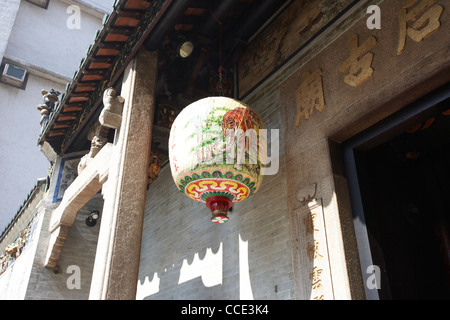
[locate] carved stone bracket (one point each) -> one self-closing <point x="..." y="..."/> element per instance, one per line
<point x="307" y="195"/>
<point x="111" y="115"/>
<point x="97" y="135"/>
<point x="110" y="118"/>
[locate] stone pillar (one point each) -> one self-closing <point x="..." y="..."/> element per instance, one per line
<point x="116" y="266"/>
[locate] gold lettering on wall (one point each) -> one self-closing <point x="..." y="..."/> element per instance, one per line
<point x="314" y="251"/>
<point x="309" y="95"/>
<point x="315" y="277"/>
<point x="418" y="19"/>
<point x="359" y="65"/>
<point x="309" y="223"/>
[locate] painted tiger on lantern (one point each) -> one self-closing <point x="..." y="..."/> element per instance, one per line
<point x="242" y="119"/>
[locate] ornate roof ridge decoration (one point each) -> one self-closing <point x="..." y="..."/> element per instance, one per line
<point x="115" y="44"/>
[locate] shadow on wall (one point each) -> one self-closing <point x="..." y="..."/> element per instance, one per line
<point x="185" y="256"/>
<point x="200" y="275"/>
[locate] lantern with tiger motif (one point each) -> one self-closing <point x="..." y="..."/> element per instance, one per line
<point x="210" y="151"/>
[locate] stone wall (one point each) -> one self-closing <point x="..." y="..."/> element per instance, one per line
<point x="388" y="81"/>
<point x="79" y="251"/>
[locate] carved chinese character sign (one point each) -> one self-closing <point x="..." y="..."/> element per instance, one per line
<point x="359" y="65"/>
<point x="418" y="20"/>
<point x="315" y="272"/>
<point x="309" y="95"/>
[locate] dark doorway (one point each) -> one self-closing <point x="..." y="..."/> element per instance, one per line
<point x="402" y="173"/>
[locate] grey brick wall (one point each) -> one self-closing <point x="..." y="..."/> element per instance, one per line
<point x="79" y="250"/>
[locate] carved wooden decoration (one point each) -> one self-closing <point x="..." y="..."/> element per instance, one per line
<point x="154" y="167"/>
<point x="289" y="32"/>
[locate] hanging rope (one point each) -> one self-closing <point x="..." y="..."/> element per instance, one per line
<point x="219" y="87"/>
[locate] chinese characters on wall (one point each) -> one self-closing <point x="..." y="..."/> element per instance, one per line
<point x="350" y="66"/>
<point x="359" y="65"/>
<point x="417" y="19"/>
<point x="318" y="275"/>
<point x="310" y="95"/>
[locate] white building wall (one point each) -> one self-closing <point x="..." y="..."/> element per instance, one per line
<point x="41" y="36"/>
<point x="21" y="162"/>
<point x="38" y="40"/>
<point x="8" y="11"/>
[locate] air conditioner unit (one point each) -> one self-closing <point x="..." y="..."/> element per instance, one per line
<point x="40" y="3"/>
<point x="13" y="75"/>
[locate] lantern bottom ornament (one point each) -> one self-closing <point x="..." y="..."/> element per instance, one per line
<point x="218" y="189"/>
<point x="219" y="206"/>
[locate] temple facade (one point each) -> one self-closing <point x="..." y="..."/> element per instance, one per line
<point x="354" y="97"/>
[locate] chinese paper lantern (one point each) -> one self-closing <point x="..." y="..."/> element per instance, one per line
<point x="214" y="153"/>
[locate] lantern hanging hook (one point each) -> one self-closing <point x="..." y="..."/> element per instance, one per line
<point x="221" y="69"/>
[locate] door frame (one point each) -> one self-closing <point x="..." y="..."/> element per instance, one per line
<point x="366" y="140"/>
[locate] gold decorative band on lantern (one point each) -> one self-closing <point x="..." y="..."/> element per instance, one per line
<point x="234" y="186"/>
